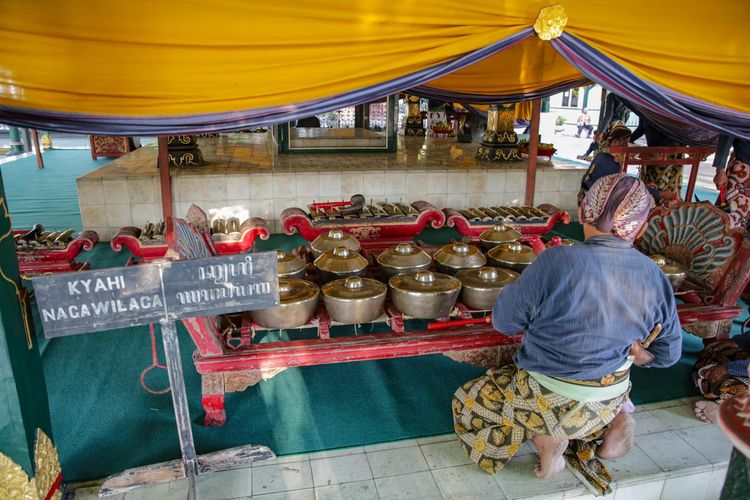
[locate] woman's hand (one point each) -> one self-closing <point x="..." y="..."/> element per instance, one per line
<point x="720" y="178"/>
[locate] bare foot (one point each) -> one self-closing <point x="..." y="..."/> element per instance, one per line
<point x="708" y="411"/>
<point x="618" y="437"/>
<point x="551" y="451"/>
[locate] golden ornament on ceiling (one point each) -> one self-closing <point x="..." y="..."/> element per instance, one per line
<point x="551" y="22"/>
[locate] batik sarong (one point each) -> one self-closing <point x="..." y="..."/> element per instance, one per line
<point x="720" y="352"/>
<point x="494" y="414"/>
<point x="663" y="177"/>
<point x="737" y="193"/>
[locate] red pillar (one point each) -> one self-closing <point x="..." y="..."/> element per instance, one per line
<point x="165" y="179"/>
<point x="536" y="108"/>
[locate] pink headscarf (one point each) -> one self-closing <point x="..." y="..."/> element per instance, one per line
<point x="617" y="204"/>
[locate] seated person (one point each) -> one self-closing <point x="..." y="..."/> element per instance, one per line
<point x="720" y="373"/>
<point x="593" y="147"/>
<point x="585" y="310"/>
<point x="605" y="164"/>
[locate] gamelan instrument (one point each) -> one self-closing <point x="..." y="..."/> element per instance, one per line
<point x="504" y="222"/>
<point x="149" y="242"/>
<point x="43" y="252"/>
<point x="380" y="224"/>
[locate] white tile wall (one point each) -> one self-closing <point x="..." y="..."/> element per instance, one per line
<point x="395" y="182"/>
<point x="437" y="182"/>
<point x="215" y="187"/>
<point x="351" y="183"/>
<point x="238" y="187"/>
<point x="329" y="185"/>
<point x="261" y="186"/>
<point x="284" y="186"/>
<point x="457" y="182"/>
<point x="132" y="201"/>
<point x="116" y="191"/>
<point x="373" y="183"/>
<point x="90" y="192"/>
<point x="141" y="190"/>
<point x="477" y="182"/>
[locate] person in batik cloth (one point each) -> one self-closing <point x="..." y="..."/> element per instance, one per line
<point x="720" y="373"/>
<point x="604" y="163"/>
<point x="735" y="178"/>
<point x="585" y="310"/>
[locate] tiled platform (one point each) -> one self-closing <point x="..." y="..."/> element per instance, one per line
<point x="244" y="177"/>
<point x="676" y="457"/>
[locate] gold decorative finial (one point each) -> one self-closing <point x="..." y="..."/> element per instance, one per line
<point x="550" y="22"/>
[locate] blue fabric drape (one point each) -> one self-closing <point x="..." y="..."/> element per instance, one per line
<point x="444" y="95"/>
<point x="651" y="98"/>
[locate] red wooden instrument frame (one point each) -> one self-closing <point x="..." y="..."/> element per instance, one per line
<point x="127" y="237"/>
<point x="474" y="231"/>
<point x="660" y="156"/>
<point x="41" y="260"/>
<point x="382" y="232"/>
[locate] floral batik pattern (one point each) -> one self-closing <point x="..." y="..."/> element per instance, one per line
<point x="737" y="193"/>
<point x="663" y="177"/>
<point x="720" y="352"/>
<point x="494" y="414"/>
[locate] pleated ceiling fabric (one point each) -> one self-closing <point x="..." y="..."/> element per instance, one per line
<point x="158" y="67"/>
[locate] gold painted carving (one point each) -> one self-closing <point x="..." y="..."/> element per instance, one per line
<point x="47" y="465"/>
<point x="551" y="22"/>
<point x="15" y="483"/>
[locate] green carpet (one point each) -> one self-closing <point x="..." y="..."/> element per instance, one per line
<point x="47" y="195"/>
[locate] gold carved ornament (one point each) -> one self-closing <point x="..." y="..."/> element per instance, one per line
<point x="15" y="484"/>
<point x="551" y="22"/>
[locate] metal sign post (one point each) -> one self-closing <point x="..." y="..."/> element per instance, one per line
<point x="98" y="300"/>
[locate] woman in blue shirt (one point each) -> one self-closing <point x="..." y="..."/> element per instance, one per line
<point x="585" y="310"/>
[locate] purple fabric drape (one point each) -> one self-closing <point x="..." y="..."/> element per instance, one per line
<point x="218" y="122"/>
<point x="650" y="97"/>
<point x="445" y="95"/>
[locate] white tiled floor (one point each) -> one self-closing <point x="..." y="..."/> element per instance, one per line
<point x="676" y="457"/>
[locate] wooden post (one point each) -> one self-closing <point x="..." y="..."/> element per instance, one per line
<point x="691" y="180"/>
<point x="37" y="149"/>
<point x="164" y="179"/>
<point x="536" y="108"/>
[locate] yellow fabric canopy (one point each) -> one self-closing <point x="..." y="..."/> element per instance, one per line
<point x="143" y="58"/>
<point x="527" y="66"/>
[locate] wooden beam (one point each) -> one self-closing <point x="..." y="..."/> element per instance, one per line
<point x="536" y="108"/>
<point x="692" y="179"/>
<point x="37" y="149"/>
<point x="165" y="179"/>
